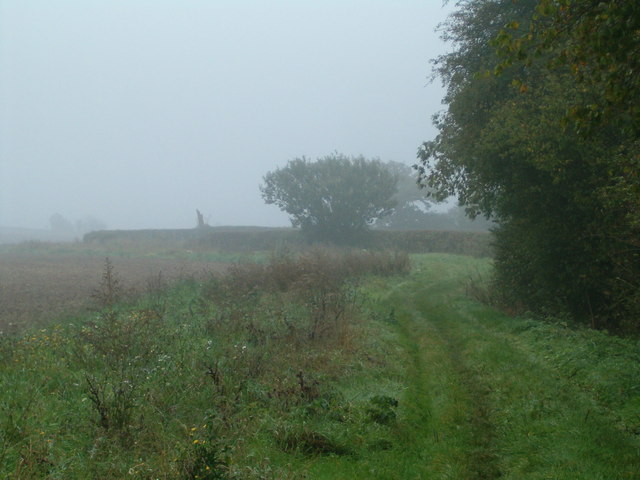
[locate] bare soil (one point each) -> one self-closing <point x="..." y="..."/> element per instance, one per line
<point x="36" y="289"/>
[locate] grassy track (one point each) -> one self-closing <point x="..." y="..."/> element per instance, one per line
<point x="491" y="397"/>
<point x="401" y="377"/>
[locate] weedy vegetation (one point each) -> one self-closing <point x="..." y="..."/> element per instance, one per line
<point x="217" y="378"/>
<point x="319" y="364"/>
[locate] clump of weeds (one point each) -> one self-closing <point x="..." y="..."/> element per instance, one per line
<point x="207" y="379"/>
<point x="382" y="409"/>
<point x="110" y="290"/>
<point x="309" y="442"/>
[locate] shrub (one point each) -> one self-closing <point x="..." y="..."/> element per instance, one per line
<point x="382" y="409"/>
<point x="295" y="439"/>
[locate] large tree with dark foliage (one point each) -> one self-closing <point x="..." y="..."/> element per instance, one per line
<point x="334" y="198"/>
<point x="597" y="43"/>
<point x="540" y="135"/>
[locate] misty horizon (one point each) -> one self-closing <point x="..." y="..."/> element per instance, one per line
<point x="136" y="114"/>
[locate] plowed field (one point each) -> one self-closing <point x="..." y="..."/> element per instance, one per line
<point x="38" y="288"/>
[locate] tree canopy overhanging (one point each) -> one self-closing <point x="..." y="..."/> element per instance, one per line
<point x="541" y="134"/>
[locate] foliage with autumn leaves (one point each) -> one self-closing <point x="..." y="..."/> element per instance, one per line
<point x="541" y="134"/>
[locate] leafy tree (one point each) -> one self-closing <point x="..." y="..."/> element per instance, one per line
<point x="599" y="44"/>
<point x="566" y="202"/>
<point x="335" y="198"/>
<point x="596" y="45"/>
<point x="450" y="164"/>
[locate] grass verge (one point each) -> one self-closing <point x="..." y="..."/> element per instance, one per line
<point x="312" y="367"/>
<point x="515" y="397"/>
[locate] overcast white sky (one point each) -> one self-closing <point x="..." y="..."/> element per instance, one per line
<point x="137" y="112"/>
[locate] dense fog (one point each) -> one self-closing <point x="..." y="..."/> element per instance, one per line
<point x="133" y="114"/>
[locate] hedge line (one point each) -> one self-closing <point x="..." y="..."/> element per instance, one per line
<point x="245" y="239"/>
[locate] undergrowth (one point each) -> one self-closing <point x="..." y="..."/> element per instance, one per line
<point x="322" y="364"/>
<point x="205" y="379"/>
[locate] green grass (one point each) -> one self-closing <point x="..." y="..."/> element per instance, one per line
<point x="515" y="397"/>
<point x="286" y="370"/>
<point x="218" y="380"/>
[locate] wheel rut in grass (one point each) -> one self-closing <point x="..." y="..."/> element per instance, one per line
<point x="483" y="458"/>
<point x="481" y="455"/>
<point x="502" y="401"/>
